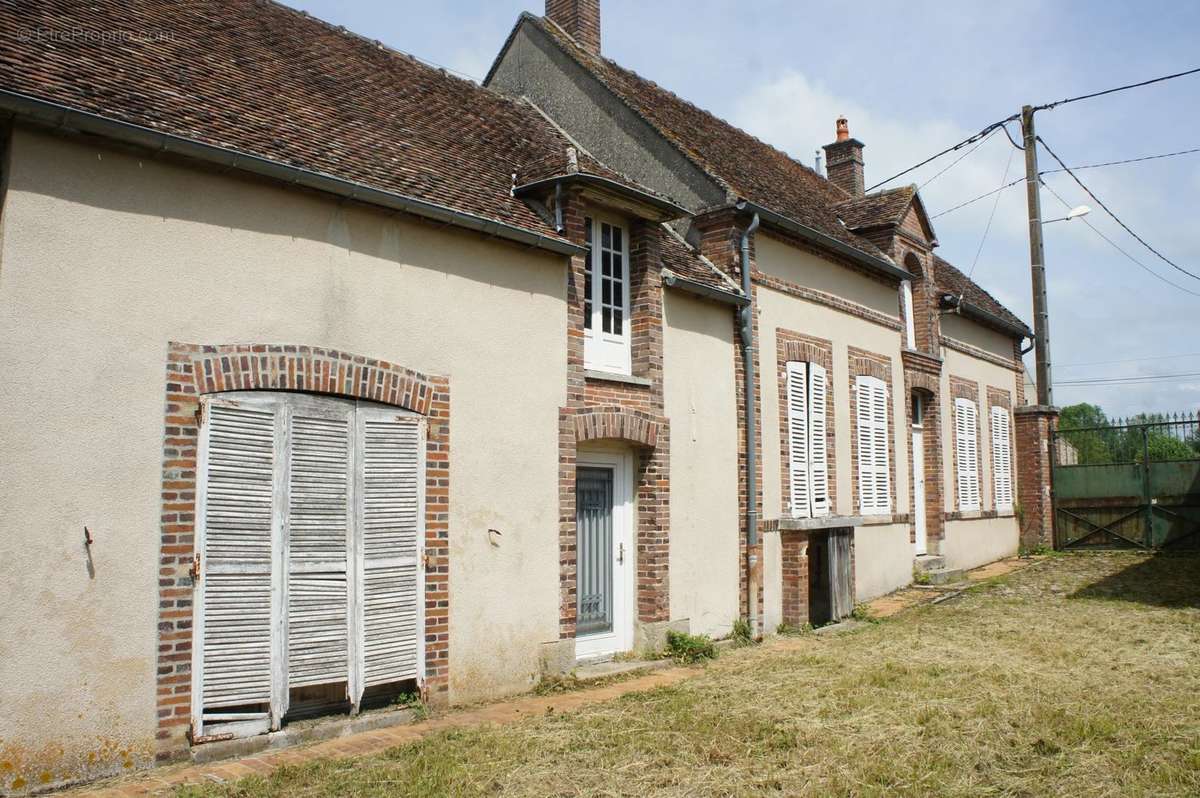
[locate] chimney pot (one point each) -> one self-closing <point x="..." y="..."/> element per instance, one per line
<point x="580" y="19"/>
<point x="843" y="129"/>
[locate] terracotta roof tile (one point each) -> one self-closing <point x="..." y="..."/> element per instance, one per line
<point x="952" y="281"/>
<point x="875" y="210"/>
<point x="679" y="256"/>
<point x="747" y="166"/>
<point x="263" y="79"/>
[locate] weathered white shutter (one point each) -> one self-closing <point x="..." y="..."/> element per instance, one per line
<point x="317" y="529"/>
<point x="798" y="438"/>
<point x="1002" y="459"/>
<point x="818" y="460"/>
<point x="390" y="507"/>
<point x="967" y="451"/>
<point x="874" y="478"/>
<point x="237" y="537"/>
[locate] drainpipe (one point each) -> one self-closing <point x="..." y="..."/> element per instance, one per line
<point x="746" y="332"/>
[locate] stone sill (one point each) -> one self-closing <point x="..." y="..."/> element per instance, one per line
<point x="975" y="515"/>
<point x="884" y="520"/>
<point x="612" y="376"/>
<point x="827" y="522"/>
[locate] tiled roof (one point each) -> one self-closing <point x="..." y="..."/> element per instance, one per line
<point x="878" y="209"/>
<point x="749" y="167"/>
<point x="952" y="281"/>
<point x="263" y="79"/>
<point x="679" y="256"/>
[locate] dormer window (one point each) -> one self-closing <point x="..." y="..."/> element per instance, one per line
<point x="606" y="297"/>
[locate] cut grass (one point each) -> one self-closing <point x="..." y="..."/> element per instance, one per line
<point x="1080" y="676"/>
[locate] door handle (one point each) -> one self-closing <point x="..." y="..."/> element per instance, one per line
<point x="620" y="554"/>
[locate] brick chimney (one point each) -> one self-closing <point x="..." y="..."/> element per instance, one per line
<point x="843" y="160"/>
<point x="580" y="19"/>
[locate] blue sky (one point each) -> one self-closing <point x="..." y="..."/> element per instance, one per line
<point x="916" y="77"/>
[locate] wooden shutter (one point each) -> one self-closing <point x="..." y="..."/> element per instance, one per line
<point x="318" y="525"/>
<point x="798" y="438"/>
<point x="238" y="499"/>
<point x="1001" y="459"/>
<point x="391" y="457"/>
<point x="967" y="452"/>
<point x="874" y="477"/>
<point x="818" y="460"/>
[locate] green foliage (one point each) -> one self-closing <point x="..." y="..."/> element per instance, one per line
<point x="687" y="649"/>
<point x="920" y="577"/>
<point x="862" y="612"/>
<point x="740" y="634"/>
<point x="1128" y="440"/>
<point x="788" y="629"/>
<point x="412" y="701"/>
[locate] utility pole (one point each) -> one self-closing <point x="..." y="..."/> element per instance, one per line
<point x="1037" y="262"/>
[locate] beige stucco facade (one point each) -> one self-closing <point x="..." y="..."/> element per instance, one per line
<point x="105" y="258"/>
<point x="700" y="399"/>
<point x="883" y="554"/>
<point x="972" y="540"/>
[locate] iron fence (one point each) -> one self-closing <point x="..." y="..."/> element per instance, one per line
<point x="1147" y="437"/>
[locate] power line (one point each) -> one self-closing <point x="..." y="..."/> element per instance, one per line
<point x="991" y="216"/>
<point x="1128" y="360"/>
<point x="969" y="140"/>
<point x="1134" y="380"/>
<point x="977" y="199"/>
<point x="957" y="160"/>
<point x="1127" y="160"/>
<point x="1116" y="89"/>
<point x="1118" y="247"/>
<point x="1117" y="219"/>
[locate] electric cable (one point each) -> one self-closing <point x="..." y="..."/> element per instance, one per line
<point x="1114" y="90"/>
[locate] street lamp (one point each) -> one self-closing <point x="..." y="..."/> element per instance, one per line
<point x="1074" y="213"/>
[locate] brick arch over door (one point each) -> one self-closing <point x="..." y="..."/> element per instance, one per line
<point x="617" y="423"/>
<point x="195" y="370"/>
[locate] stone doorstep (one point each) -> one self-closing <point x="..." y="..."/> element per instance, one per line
<point x="595" y="671"/>
<point x="298" y="734"/>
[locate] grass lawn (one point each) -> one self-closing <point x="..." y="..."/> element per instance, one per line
<point x="1079" y="676"/>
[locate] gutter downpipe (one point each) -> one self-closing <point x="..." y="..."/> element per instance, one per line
<point x="746" y="333"/>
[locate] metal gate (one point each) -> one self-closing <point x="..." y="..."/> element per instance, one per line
<point x="1130" y="484"/>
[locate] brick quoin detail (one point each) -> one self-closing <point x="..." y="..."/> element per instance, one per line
<point x="792" y="347"/>
<point x="195" y="370"/>
<point x="598" y="409"/>
<point x="922" y="375"/>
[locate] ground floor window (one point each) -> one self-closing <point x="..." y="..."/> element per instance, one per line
<point x="309" y="530"/>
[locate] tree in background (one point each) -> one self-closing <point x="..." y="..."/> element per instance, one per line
<point x="1099" y="439"/>
<point x="1093" y="437"/>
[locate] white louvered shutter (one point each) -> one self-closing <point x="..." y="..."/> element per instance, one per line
<point x="318" y="533"/>
<point x="967" y="451"/>
<point x="1002" y="459"/>
<point x="391" y="458"/>
<point x="798" y="439"/>
<point x="818" y="460"/>
<point x="874" y="478"/>
<point x="237" y="497"/>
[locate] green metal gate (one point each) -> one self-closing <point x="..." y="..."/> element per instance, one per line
<point x="1133" y="484"/>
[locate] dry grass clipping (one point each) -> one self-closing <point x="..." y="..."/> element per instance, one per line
<point x="1077" y="677"/>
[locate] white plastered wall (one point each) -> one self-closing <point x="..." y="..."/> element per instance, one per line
<point x="105" y="258"/>
<point x="883" y="553"/>
<point x="701" y="403"/>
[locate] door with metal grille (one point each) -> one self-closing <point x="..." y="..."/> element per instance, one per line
<point x="594" y="525"/>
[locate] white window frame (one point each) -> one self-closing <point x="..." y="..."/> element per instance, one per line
<point x="1002" y="483"/>
<point x="966" y="447"/>
<point x="612" y="351"/>
<point x="874" y="457"/>
<point x="808" y="462"/>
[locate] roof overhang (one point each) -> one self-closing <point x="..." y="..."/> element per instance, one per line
<point x="828" y="242"/>
<point x="609" y="192"/>
<point x="672" y="280"/>
<point x="984" y="316"/>
<point x="62" y="117"/>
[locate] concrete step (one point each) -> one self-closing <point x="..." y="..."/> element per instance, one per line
<point x="945" y="576"/>
<point x="928" y="562"/>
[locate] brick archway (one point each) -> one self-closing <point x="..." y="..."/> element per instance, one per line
<point x="195" y="370"/>
<point x="617" y="423"/>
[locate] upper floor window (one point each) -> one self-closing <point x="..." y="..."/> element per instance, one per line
<point x="606" y="297"/>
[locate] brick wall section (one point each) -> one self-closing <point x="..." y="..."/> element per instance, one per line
<point x="864" y="363"/>
<point x="599" y="409"/>
<point x="195" y="370"/>
<point x="580" y="19"/>
<point x="791" y="346"/>
<point x="794" y="557"/>
<point x="1035" y="425"/>
<point x="922" y="374"/>
<point x="965" y="389"/>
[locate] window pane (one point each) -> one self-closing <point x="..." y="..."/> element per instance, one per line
<point x="606" y="292"/>
<point x="605" y="235"/>
<point x="605" y="262"/>
<point x="607" y="322"/>
<point x="616" y="238"/>
<point x="616" y="265"/>
<point x="617" y="328"/>
<point x="587" y="300"/>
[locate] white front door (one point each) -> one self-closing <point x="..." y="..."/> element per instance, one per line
<point x="918" y="459"/>
<point x="604" y="554"/>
